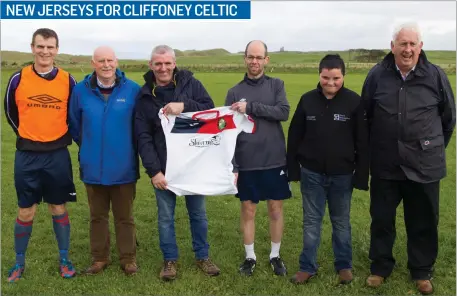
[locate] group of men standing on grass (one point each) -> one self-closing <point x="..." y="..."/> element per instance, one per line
<point x="397" y="131"/>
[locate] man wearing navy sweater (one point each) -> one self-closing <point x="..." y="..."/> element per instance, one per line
<point x="260" y="157"/>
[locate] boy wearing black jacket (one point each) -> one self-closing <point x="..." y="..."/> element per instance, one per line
<point x="328" y="154"/>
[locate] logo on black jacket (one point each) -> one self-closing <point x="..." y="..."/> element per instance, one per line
<point x="340" y="117"/>
<point x="44" y="101"/>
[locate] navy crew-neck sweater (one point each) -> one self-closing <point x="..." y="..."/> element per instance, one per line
<point x="267" y="105"/>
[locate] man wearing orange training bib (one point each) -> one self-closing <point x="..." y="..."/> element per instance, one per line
<point x="36" y="104"/>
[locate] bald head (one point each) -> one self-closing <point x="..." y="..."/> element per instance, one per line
<point x="256" y="45"/>
<point x="255" y="58"/>
<point x="104" y="62"/>
<point x="103" y="51"/>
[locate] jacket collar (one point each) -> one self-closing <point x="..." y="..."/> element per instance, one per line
<point x="91" y="79"/>
<point x="419" y="68"/>
<point x="257" y="81"/>
<point x="180" y="78"/>
<point x="321" y="91"/>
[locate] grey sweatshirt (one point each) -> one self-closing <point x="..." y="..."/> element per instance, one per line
<point x="268" y="106"/>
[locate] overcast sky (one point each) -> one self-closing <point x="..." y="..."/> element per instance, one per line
<point x="302" y="26"/>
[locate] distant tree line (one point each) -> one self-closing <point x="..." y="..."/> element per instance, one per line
<point x="13" y="64"/>
<point x="359" y="61"/>
<point x="362" y="55"/>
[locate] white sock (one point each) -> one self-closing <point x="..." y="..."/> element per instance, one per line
<point x="275" y="249"/>
<point x="250" y="251"/>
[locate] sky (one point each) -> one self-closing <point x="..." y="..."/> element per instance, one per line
<point x="297" y="26"/>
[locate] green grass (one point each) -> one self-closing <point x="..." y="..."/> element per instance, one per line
<point x="226" y="249"/>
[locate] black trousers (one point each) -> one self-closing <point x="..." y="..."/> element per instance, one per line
<point x="421" y="212"/>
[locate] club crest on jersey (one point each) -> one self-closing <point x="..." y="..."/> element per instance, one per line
<point x="221" y="124"/>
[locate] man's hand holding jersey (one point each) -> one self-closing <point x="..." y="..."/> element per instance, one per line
<point x="173" y="108"/>
<point x="239" y="106"/>
<point x="159" y="181"/>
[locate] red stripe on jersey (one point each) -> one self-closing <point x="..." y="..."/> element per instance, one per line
<point x="217" y="125"/>
<point x="252" y="120"/>
<point x="206" y="112"/>
<point x="165" y="115"/>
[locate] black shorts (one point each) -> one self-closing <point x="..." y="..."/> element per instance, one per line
<point x="271" y="184"/>
<point x="46" y="176"/>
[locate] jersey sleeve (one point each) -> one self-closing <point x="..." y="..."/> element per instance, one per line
<point x="244" y="122"/>
<point x="167" y="121"/>
<point x="10" y="107"/>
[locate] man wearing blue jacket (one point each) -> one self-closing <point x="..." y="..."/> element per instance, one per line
<point x="175" y="91"/>
<point x="101" y="123"/>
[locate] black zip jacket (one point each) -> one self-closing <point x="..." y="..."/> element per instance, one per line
<point x="410" y="122"/>
<point x="149" y="135"/>
<point x="329" y="136"/>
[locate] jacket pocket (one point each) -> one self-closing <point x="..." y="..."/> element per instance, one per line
<point x="432" y="153"/>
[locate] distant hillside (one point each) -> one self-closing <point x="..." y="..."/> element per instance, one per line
<point x="209" y="52"/>
<point x="22" y="57"/>
<point x="67" y="59"/>
<point x="219" y="58"/>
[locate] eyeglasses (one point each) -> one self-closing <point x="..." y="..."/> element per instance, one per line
<point x="251" y="58"/>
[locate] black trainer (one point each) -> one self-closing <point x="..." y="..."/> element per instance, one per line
<point x="278" y="266"/>
<point x="248" y="266"/>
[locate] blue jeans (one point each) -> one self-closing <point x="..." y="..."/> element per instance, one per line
<point x="316" y="190"/>
<point x="166" y="202"/>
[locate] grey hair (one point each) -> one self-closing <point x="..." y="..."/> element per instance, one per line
<point x="412" y="26"/>
<point x="163" y="49"/>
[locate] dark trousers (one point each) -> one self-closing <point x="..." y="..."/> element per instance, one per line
<point x="420" y="204"/>
<point x="121" y="198"/>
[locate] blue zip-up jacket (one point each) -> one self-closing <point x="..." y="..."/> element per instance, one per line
<point x="103" y="130"/>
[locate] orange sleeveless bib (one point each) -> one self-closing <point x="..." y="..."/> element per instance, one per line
<point x="42" y="105"/>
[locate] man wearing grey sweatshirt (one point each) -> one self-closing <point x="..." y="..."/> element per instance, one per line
<point x="260" y="157"/>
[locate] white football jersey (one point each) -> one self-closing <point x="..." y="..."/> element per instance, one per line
<point x="200" y="149"/>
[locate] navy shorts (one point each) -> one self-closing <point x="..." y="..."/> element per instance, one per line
<point x="46" y="176"/>
<point x="271" y="184"/>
